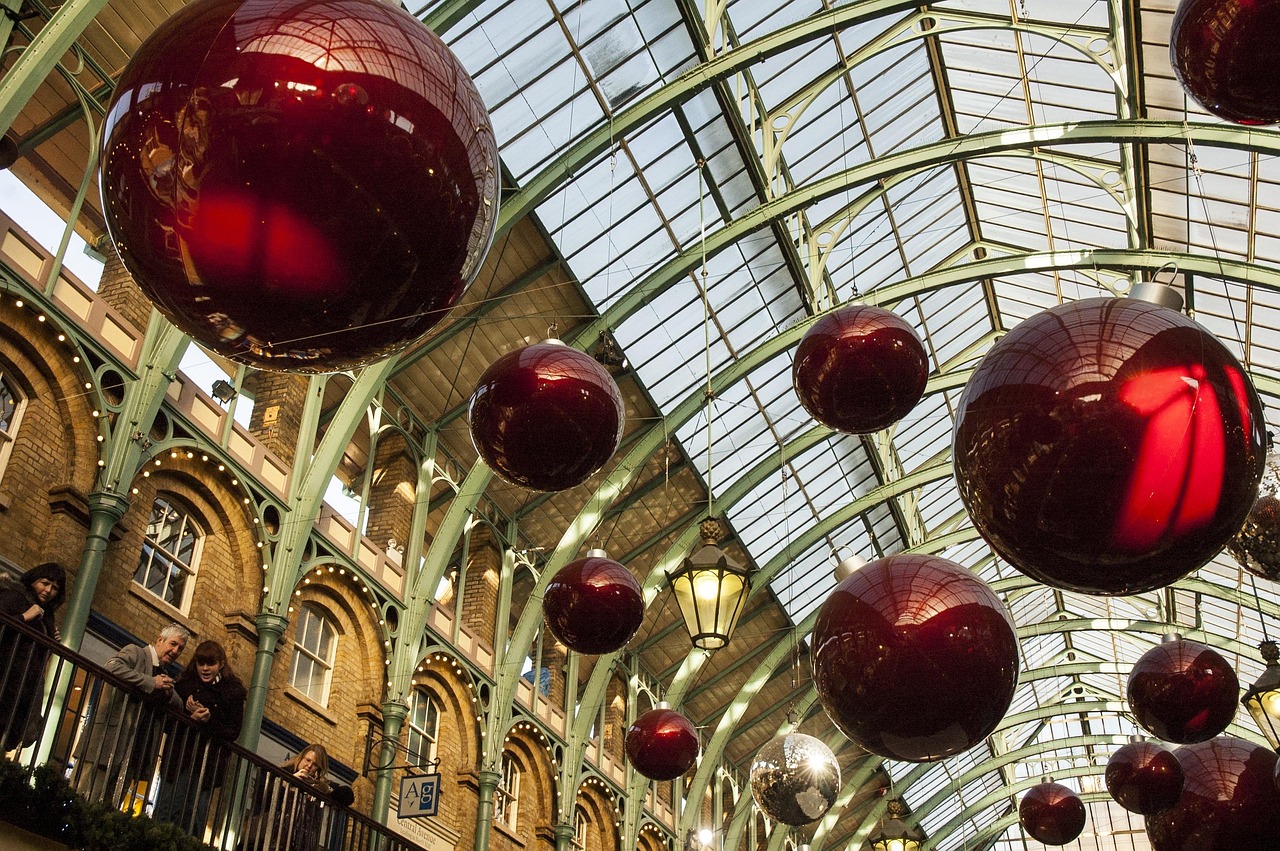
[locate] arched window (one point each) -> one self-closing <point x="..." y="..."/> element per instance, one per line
<point x="314" y="652"/>
<point x="424" y="727"/>
<point x="11" y="406"/>
<point x="506" y="798"/>
<point x="170" y="554"/>
<point x="579" y="840"/>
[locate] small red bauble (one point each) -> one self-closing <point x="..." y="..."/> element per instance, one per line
<point x="1051" y="813"/>
<point x="914" y="658"/>
<point x="546" y="416"/>
<point x="860" y="369"/>
<point x="1144" y="777"/>
<point x="297" y="204"/>
<point x="1228" y="802"/>
<point x="1108" y="446"/>
<point x="1183" y="691"/>
<point x="594" y="605"/>
<point x="662" y="744"/>
<point x="1226" y="54"/>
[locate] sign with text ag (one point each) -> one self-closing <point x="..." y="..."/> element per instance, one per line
<point x="419" y="796"/>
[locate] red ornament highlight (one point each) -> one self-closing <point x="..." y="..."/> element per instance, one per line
<point x="914" y="658"/>
<point x="546" y="416"/>
<point x="594" y="605"/>
<point x="1108" y="446"/>
<point x="662" y="744"/>
<point x="1051" y="813"/>
<point x="1144" y="777"/>
<point x="1228" y="800"/>
<point x="1226" y="54"/>
<point x="860" y="369"/>
<point x="296" y="204"/>
<point x="1183" y="691"/>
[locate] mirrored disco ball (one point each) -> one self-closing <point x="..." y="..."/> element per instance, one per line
<point x="1257" y="545"/>
<point x="795" y="779"/>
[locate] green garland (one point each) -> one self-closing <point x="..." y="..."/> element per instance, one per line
<point x="45" y="804"/>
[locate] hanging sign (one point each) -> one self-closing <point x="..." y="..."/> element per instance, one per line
<point x="419" y="796"/>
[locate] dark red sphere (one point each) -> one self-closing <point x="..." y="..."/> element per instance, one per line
<point x="1226" y="54"/>
<point x="1108" y="446"/>
<point x="914" y="658"/>
<point x="1183" y="691"/>
<point x="1144" y="777"/>
<point x="860" y="369"/>
<point x="299" y="184"/>
<point x="1228" y="802"/>
<point x="662" y="744"/>
<point x="1051" y="813"/>
<point x="594" y="605"/>
<point x="546" y="416"/>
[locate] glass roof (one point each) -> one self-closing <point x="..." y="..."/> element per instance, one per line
<point x="712" y="175"/>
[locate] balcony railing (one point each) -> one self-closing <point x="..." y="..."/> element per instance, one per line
<point x="116" y="745"/>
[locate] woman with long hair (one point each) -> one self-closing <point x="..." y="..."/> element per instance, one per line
<point x="193" y="765"/>
<point x="32" y="602"/>
<point x="291" y="816"/>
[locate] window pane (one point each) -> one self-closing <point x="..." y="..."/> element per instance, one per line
<point x="8" y="406"/>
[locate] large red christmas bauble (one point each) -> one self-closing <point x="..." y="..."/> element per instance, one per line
<point x="1228" y="802"/>
<point x="1108" y="446"/>
<point x="546" y="416"/>
<point x="914" y="658"/>
<point x="299" y="184"/>
<point x="1144" y="777"/>
<point x="594" y="604"/>
<point x="860" y="369"/>
<point x="662" y="744"/>
<point x="1226" y="54"/>
<point x="1183" y="691"/>
<point x="1051" y="813"/>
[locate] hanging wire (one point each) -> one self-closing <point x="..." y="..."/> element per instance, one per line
<point x="706" y="324"/>
<point x="1257" y="600"/>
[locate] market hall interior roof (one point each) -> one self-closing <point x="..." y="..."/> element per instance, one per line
<point x="683" y="188"/>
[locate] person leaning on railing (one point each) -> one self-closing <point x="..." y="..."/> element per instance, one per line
<point x="285" y="816"/>
<point x="32" y="602"/>
<point x="122" y="739"/>
<point x="193" y="764"/>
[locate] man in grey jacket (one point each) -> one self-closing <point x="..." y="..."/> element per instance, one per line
<point x="122" y="739"/>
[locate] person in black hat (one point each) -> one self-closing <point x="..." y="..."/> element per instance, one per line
<point x="31" y="602"/>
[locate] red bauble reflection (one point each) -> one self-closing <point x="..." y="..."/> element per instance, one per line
<point x="1108" y="446"/>
<point x="662" y="744"/>
<point x="594" y="605"/>
<point x="546" y="416"/>
<point x="1228" y="800"/>
<point x="860" y="369"/>
<point x="294" y="204"/>
<point x="1226" y="54"/>
<point x="1183" y="691"/>
<point x="914" y="658"/>
<point x="1144" y="777"/>
<point x="1051" y="813"/>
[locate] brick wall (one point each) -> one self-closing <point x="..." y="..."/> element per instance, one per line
<point x="118" y="289"/>
<point x="359" y="673"/>
<point x="391" y="493"/>
<point x="480" y="585"/>
<point x="456" y="744"/>
<point x="278" y="401"/>
<point x="52" y="463"/>
<point x="228" y="577"/>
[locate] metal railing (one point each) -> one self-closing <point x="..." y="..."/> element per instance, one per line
<point x="117" y="745"/>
